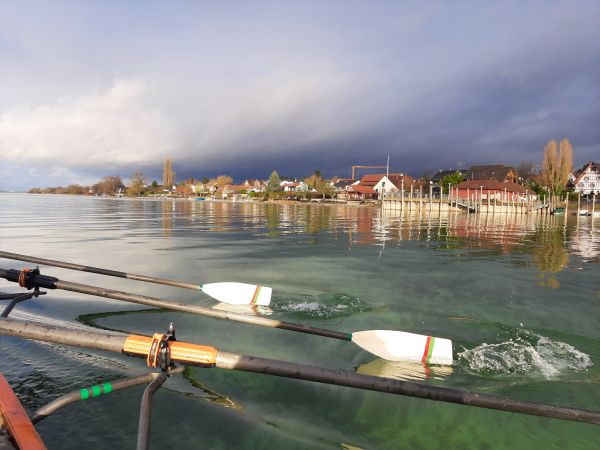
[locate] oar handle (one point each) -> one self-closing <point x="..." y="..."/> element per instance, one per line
<point x="48" y="282"/>
<point x="208" y="356"/>
<point x="98" y="270"/>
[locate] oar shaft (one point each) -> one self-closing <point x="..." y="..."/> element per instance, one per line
<point x="47" y="282"/>
<point x="116" y="343"/>
<point x="98" y="270"/>
<point x="392" y="386"/>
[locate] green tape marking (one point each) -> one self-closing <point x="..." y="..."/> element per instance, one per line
<point x="95" y="391"/>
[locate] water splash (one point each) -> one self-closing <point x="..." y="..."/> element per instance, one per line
<point x="528" y="354"/>
<point x="325" y="306"/>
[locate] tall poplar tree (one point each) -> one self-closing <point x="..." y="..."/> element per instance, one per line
<point x="168" y="174"/>
<point x="557" y="165"/>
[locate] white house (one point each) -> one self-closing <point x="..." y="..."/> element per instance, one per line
<point x="385" y="185"/>
<point x="292" y="186"/>
<point x="588" y="180"/>
<point x="380" y="183"/>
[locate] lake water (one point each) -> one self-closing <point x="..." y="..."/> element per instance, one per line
<point x="519" y="296"/>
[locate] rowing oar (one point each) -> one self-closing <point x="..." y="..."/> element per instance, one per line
<point x="228" y="292"/>
<point x="387" y="344"/>
<point x="206" y="356"/>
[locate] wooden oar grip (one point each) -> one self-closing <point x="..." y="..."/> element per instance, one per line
<point x="182" y="352"/>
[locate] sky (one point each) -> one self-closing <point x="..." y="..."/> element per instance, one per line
<point x="89" y="89"/>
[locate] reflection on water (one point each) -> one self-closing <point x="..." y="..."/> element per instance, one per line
<point x="400" y="370"/>
<point x="371" y="226"/>
<point x="548" y="239"/>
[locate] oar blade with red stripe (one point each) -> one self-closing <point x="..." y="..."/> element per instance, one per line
<point x="401" y="346"/>
<point x="238" y="293"/>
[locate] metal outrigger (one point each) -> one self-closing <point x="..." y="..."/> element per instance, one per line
<point x="154" y="380"/>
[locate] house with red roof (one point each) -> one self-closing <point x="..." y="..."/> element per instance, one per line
<point x="492" y="189"/>
<point x="359" y="192"/>
<point x="389" y="183"/>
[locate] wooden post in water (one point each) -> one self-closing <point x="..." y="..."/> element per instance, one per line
<point x="430" y="197"/>
<point x="468" y="198"/>
<point x="543" y="200"/>
<point x="578" y="204"/>
<point x="411" y="198"/>
<point x="593" y="206"/>
<point x="566" y="205"/>
<point x="402" y="197"/>
<point x="480" y="198"/>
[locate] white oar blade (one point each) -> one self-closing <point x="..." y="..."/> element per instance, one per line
<point x="402" y="346"/>
<point x="239" y="293"/>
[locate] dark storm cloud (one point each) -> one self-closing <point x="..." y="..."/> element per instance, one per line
<point x="292" y="90"/>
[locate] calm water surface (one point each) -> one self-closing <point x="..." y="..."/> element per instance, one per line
<point x="519" y="296"/>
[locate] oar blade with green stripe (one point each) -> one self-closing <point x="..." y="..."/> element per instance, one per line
<point x="402" y="346"/>
<point x="238" y="293"/>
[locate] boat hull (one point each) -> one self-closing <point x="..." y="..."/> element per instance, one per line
<point x="13" y="417"/>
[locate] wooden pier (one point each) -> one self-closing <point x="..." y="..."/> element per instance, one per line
<point x="475" y="203"/>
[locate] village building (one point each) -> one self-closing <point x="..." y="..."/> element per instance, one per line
<point x="358" y="192"/>
<point x="492" y="190"/>
<point x="588" y="180"/>
<point x="388" y="184"/>
<point x="254" y="185"/>
<point x="343" y="184"/>
<point x="371" y="186"/>
<point x="231" y="191"/>
<point x="294" y="186"/>
<point x="335" y="179"/>
<point x="504" y="174"/>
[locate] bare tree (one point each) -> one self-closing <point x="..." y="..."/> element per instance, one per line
<point x="224" y="180"/>
<point x="137" y="185"/>
<point x="168" y="174"/>
<point x="566" y="161"/>
<point x="109" y="184"/>
<point x="557" y="165"/>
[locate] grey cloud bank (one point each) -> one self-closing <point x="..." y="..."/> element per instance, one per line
<point x="90" y="90"/>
